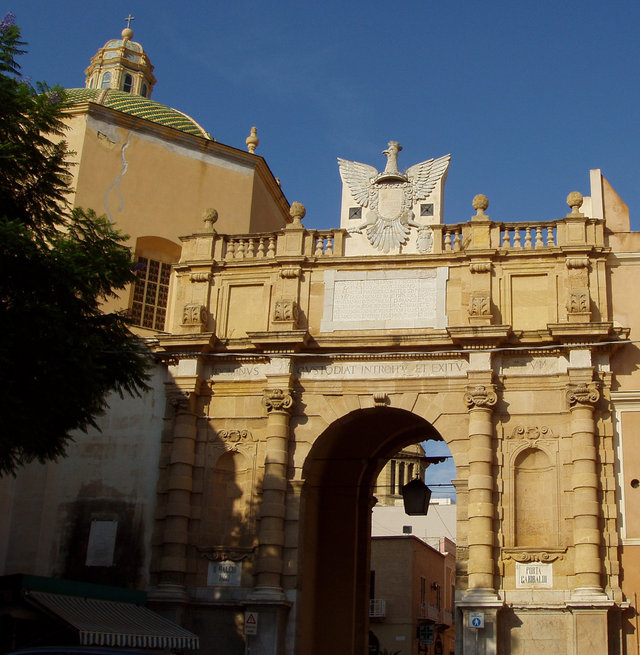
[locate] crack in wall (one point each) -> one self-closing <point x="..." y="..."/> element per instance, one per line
<point x="116" y="182"/>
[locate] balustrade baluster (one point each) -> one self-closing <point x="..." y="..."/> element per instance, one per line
<point x="329" y="249"/>
<point x="539" y="241"/>
<point x="527" y="237"/>
<point x="271" y="250"/>
<point x="517" y="243"/>
<point x="230" y="249"/>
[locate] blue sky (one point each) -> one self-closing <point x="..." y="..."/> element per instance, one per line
<point x="527" y="96"/>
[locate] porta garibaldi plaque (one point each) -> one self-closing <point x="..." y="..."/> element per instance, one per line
<point x="534" y="576"/>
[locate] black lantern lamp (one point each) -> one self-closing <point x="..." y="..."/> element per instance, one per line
<point x="416" y="496"/>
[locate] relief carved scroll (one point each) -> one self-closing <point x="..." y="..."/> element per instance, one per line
<point x="526" y="556"/>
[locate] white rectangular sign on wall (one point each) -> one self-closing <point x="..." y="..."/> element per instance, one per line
<point x="534" y="576"/>
<point x="224" y="574"/>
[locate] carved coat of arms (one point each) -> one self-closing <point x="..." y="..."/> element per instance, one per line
<point x="390" y="196"/>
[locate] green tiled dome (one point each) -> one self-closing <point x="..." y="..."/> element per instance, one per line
<point x="139" y="106"/>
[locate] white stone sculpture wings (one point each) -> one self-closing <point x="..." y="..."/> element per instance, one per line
<point x="425" y="175"/>
<point x="359" y="178"/>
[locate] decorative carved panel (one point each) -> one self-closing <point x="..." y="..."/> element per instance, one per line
<point x="479" y="305"/>
<point x="578" y="302"/>
<point x="194" y="314"/>
<point x="285" y="310"/>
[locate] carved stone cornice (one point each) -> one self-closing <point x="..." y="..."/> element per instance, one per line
<point x="480" y="395"/>
<point x="583" y="394"/>
<point x="277" y="400"/>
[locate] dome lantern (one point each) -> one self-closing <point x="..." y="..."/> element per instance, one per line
<point x="122" y="65"/>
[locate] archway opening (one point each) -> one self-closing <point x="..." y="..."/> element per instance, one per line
<point x="340" y="474"/>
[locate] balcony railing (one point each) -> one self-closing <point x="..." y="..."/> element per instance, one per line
<point x="429" y="611"/>
<point x="377" y="608"/>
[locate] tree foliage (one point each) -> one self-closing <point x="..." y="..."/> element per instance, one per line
<point x="60" y="355"/>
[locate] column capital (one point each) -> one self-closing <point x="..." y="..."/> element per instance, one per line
<point x="480" y="395"/>
<point x="278" y="400"/>
<point x="583" y="394"/>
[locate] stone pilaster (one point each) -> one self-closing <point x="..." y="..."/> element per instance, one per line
<point x="582" y="398"/>
<point x="480" y="400"/>
<point x="274" y="488"/>
<point x="173" y="563"/>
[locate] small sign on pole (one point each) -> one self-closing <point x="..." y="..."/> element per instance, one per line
<point x="476" y="620"/>
<point x="251" y="623"/>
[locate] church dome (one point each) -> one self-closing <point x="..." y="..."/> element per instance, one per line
<point x="138" y="106"/>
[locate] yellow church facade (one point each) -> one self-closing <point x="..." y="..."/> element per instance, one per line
<point x="292" y="364"/>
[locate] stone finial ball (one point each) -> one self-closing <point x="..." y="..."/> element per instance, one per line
<point x="127" y="33"/>
<point x="574" y="200"/>
<point x="210" y="215"/>
<point x="480" y="202"/>
<point x="297" y="210"/>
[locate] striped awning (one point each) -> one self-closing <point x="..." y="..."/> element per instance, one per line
<point x="111" y="623"/>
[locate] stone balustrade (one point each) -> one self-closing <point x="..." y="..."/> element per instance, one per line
<point x="255" y="247"/>
<point x="528" y="235"/>
<point x="458" y="238"/>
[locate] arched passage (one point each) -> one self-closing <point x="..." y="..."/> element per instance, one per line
<point x="339" y="474"/>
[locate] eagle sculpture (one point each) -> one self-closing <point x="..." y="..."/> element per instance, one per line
<point x="389" y="196"/>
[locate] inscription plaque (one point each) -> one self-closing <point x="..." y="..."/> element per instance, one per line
<point x="385" y="299"/>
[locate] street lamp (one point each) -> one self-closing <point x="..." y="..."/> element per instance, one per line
<point x="416" y="496"/>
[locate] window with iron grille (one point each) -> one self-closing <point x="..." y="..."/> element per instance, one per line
<point x="150" y="293"/>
